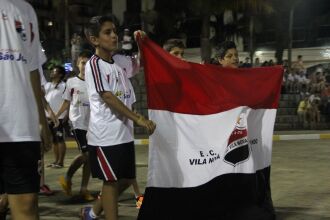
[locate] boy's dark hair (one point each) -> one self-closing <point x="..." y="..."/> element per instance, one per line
<point x="85" y="54"/>
<point x="93" y="27"/>
<point x="173" y="42"/>
<point x="61" y="70"/>
<point x="221" y="49"/>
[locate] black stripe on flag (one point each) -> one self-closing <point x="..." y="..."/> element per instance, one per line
<point x="226" y="197"/>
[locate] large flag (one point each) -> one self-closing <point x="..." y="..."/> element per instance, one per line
<point x="210" y="155"/>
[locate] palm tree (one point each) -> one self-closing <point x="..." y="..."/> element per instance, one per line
<point x="253" y="9"/>
<point x="293" y="4"/>
<point x="207" y="7"/>
<point x="284" y="18"/>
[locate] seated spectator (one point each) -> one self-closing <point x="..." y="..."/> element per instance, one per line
<point x="325" y="100"/>
<point x="283" y="86"/>
<point x="271" y="63"/>
<point x="256" y="62"/>
<point x="299" y="66"/>
<point x="312" y="111"/>
<point x="327" y="76"/>
<point x="247" y="63"/>
<point x="291" y="83"/>
<point x="285" y="64"/>
<point x="302" y="82"/>
<point x="301" y="112"/>
<point x="320" y="82"/>
<point x="265" y="63"/>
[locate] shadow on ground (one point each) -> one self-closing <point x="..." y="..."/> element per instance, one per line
<point x="297" y="213"/>
<point x="61" y="207"/>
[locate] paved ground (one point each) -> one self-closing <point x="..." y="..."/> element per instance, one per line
<point x="300" y="183"/>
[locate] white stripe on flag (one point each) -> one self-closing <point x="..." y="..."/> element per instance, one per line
<point x="189" y="150"/>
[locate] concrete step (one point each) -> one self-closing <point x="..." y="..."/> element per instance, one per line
<point x="294" y="119"/>
<point x="290" y="97"/>
<point x="286" y="119"/>
<point x="287" y="111"/>
<point x="288" y="104"/>
<point x="283" y="126"/>
<point x="299" y="126"/>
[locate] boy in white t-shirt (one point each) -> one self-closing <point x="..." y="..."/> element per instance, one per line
<point x="76" y="101"/>
<point x="53" y="94"/>
<point x="110" y="130"/>
<point x="22" y="113"/>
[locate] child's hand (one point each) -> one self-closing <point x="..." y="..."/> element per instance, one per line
<point x="142" y="34"/>
<point x="149" y="125"/>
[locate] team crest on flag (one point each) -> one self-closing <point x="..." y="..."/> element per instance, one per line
<point x="238" y="149"/>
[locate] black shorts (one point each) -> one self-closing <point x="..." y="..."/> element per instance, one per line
<point x="58" y="132"/>
<point x="19" y="167"/>
<point x="113" y="163"/>
<point x="80" y="136"/>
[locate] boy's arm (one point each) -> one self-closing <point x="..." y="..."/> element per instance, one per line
<point x="115" y="104"/>
<point x="49" y="110"/>
<point x="65" y="106"/>
<point x="45" y="132"/>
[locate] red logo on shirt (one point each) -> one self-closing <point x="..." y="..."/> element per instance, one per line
<point x="20" y="30"/>
<point x="4" y="16"/>
<point x="32" y="33"/>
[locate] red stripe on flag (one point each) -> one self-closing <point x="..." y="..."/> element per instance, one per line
<point x="179" y="86"/>
<point x="104" y="165"/>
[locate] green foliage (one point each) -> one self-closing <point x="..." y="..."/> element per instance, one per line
<point x="52" y="63"/>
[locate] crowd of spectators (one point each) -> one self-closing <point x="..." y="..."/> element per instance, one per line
<point x="313" y="87"/>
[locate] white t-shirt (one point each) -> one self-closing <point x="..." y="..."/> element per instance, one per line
<point x="127" y="42"/>
<point x="43" y="80"/>
<point x="19" y="54"/>
<point x="107" y="128"/>
<point x="76" y="94"/>
<point x="42" y="60"/>
<point x="53" y="95"/>
<point x="302" y="79"/>
<point x="291" y="77"/>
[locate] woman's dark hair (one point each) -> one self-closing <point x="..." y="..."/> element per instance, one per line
<point x="221" y="49"/>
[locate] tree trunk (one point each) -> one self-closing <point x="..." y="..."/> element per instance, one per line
<point x="290" y="36"/>
<point x="251" y="32"/>
<point x="66" y="26"/>
<point x="205" y="35"/>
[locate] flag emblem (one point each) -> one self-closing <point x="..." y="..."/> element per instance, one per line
<point x="238" y="149"/>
